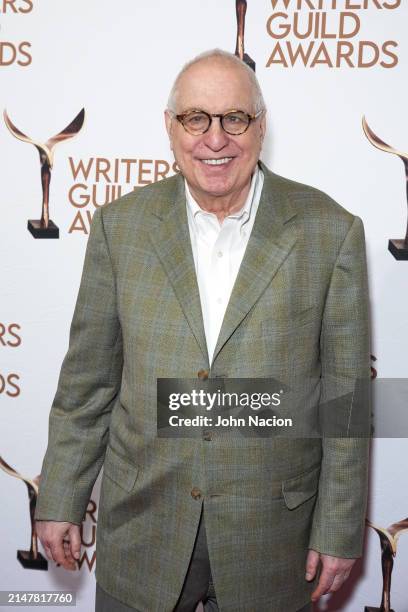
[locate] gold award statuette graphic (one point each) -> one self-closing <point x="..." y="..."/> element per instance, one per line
<point x="388" y="540"/>
<point x="397" y="246"/>
<point x="241" y="8"/>
<point x="44" y="227"/>
<point x="29" y="559"/>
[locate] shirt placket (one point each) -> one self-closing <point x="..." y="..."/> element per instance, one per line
<point x="220" y="276"/>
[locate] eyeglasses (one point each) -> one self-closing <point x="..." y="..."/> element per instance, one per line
<point x="234" y="122"/>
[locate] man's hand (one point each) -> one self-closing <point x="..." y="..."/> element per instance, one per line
<point x="335" y="571"/>
<point x="61" y="541"/>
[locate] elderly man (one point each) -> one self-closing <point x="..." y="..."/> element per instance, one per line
<point x="226" y="270"/>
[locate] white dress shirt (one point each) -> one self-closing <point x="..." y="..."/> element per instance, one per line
<point x="218" y="250"/>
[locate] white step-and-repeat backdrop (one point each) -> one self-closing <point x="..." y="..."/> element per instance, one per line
<point x="322" y="64"/>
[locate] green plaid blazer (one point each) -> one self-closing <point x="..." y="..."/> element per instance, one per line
<point x="299" y="307"/>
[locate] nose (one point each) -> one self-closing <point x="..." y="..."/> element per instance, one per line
<point x="215" y="137"/>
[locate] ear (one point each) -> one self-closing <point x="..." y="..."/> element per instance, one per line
<point x="169" y="126"/>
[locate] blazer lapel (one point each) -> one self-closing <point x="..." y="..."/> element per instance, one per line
<point x="269" y="244"/>
<point x="171" y="239"/>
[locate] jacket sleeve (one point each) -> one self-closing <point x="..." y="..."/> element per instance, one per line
<point x="88" y="384"/>
<point x="339" y="515"/>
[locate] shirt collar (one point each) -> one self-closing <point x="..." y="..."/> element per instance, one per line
<point x="244" y="213"/>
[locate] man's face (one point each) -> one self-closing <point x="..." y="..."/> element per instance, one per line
<point x="215" y="86"/>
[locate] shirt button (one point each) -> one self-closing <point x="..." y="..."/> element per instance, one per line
<point x="202" y="374"/>
<point x="196" y="493"/>
<point x="219" y="300"/>
<point x="220" y="253"/>
<point x="207" y="436"/>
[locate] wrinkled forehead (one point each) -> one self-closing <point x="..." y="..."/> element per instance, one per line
<point x="215" y="86"/>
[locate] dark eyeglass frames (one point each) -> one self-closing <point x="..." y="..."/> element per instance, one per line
<point x="234" y="122"/>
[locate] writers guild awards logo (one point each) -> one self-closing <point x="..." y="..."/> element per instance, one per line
<point x="44" y="227"/>
<point x="241" y="8"/>
<point x="388" y="540"/>
<point x="397" y="246"/>
<point x="29" y="559"/>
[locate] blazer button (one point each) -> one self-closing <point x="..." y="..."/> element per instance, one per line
<point x="196" y="493"/>
<point x="202" y="374"/>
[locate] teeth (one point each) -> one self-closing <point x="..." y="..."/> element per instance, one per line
<point x="216" y="162"/>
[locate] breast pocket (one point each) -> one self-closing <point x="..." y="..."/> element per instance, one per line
<point x="290" y="343"/>
<point x="289" y="323"/>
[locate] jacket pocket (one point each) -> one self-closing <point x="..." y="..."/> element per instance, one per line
<point x="288" y="322"/>
<point x="120" y="470"/>
<point x="300" y="488"/>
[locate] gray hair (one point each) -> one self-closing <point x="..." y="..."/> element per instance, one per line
<point x="220" y="54"/>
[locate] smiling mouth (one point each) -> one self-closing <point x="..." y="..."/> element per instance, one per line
<point x="217" y="162"/>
